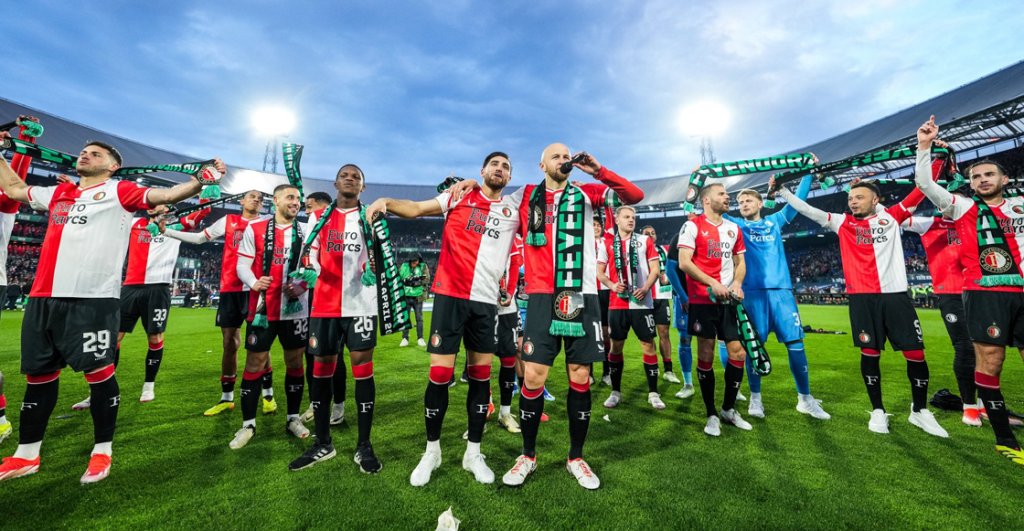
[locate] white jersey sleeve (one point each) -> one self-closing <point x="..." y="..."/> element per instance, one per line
<point x="918" y="224"/>
<point x="688" y="236"/>
<point x="39" y="196"/>
<point x="246" y="256"/>
<point x="446" y="201"/>
<point x="602" y="252"/>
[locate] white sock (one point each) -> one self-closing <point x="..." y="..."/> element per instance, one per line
<point x="28" y="451"/>
<point x="268" y="392"/>
<point x="103" y="448"/>
<point x="505" y="410"/>
<point x="966" y="407"/>
<point x="472" y="448"/>
<point x="249" y="423"/>
<point x="147" y="387"/>
<point x="340" y="405"/>
<point x="434" y="446"/>
<point x="227" y="397"/>
<point x="290" y="417"/>
<point x="3" y="419"/>
<point x="755" y="396"/>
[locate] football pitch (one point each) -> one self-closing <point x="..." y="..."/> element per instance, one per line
<point x="172" y="468"/>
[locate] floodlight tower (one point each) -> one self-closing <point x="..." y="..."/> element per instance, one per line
<point x="274" y="123"/>
<point x="707" y="151"/>
<point x="704" y="119"/>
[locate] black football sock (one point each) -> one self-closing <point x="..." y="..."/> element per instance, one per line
<point x="733" y="379"/>
<point x="651" y="371"/>
<point x="872" y="374"/>
<point x="340" y="382"/>
<point x="310" y="360"/>
<point x="531" y="407"/>
<point x="667" y="362"/>
<point x="40" y="399"/>
<point x="294" y="381"/>
<point x="507" y="381"/>
<point x="963" y="369"/>
<point x="250" y="394"/>
<point x="366" y="394"/>
<point x="154" y="356"/>
<point x="706" y="381"/>
<point x="917" y="373"/>
<point x="615" y="366"/>
<point x="227" y="384"/>
<point x="105" y="396"/>
<point x="578" y="406"/>
<point x="992" y="398"/>
<point x="321" y="400"/>
<point x="477" y="399"/>
<point x="435" y="400"/>
<point x="268" y="383"/>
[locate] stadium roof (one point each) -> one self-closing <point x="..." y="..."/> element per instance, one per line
<point x="988" y="110"/>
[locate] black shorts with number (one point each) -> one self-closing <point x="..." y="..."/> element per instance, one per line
<point x="995" y="317"/>
<point x="60" y="332"/>
<point x="663" y="312"/>
<point x="510" y="327"/>
<point x="149" y="302"/>
<point x="714" y="321"/>
<point x="540" y="346"/>
<point x="455" y="321"/>
<point x="641" y="321"/>
<point x="605" y="296"/>
<point x="328" y="336"/>
<point x="233" y="309"/>
<point x="877" y="316"/>
<point x="290" y="333"/>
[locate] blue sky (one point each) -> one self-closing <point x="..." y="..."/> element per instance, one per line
<point x="411" y="91"/>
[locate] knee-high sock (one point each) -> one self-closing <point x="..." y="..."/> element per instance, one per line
<point x="666" y="354"/>
<point x="753" y="379"/>
<point x="578" y="406"/>
<point x="435" y="401"/>
<point x="366" y="394"/>
<point x="733" y="379"/>
<point x="105" y="397"/>
<point x="40" y="399"/>
<point x="872" y="374"/>
<point x="294" y="381"/>
<point x="607" y="349"/>
<point x="723" y="354"/>
<point x="310" y="360"/>
<point x="340" y="382"/>
<point x="320" y="399"/>
<point x="268" y="382"/>
<point x="227" y="387"/>
<point x="651" y="370"/>
<point x="685" y="357"/>
<point x="154" y="356"/>
<point x="992" y="397"/>
<point x="477" y="399"/>
<point x="507" y="380"/>
<point x="250" y="395"/>
<point x="706" y="380"/>
<point x="963" y="369"/>
<point x="798" y="366"/>
<point x="531" y="407"/>
<point x="615" y="366"/>
<point x="917" y="373"/>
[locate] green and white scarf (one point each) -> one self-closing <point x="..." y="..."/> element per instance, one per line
<point x="748" y="336"/>
<point x="664" y="286"/>
<point x="568" y="235"/>
<point x="742" y="167"/>
<point x="998" y="268"/>
<point x="294" y="251"/>
<point x="627" y="272"/>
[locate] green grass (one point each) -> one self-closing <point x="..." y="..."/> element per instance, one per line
<point x="173" y="469"/>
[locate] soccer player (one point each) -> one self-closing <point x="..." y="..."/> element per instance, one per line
<point x="478" y="234"/>
<point x="344" y="316"/>
<point x="414" y="275"/>
<point x="315" y="202"/>
<point x="8" y="209"/>
<point x="680" y="318"/>
<point x="510" y="330"/>
<point x="563" y="307"/>
<point x="662" y="306"/>
<point x="72" y="313"/>
<point x="234" y="298"/>
<point x="604" y="299"/>
<point x="711" y="254"/>
<point x="634" y="271"/>
<point x="876" y="281"/>
<point x="769" y="299"/>
<point x="992" y="235"/>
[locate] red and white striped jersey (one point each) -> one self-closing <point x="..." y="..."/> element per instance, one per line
<point x="663" y="291"/>
<point x="86" y="237"/>
<point x="6" y="230"/>
<point x="231" y="227"/>
<point x="9" y="207"/>
<point x="1010" y="216"/>
<point x="151" y="259"/>
<point x="872" y="250"/>
<point x="942" y="246"/>
<point x="475" y="246"/>
<point x="646" y="253"/>
<point x="511" y="282"/>
<point x="713" y="248"/>
<point x="339" y="254"/>
<point x="253" y="240"/>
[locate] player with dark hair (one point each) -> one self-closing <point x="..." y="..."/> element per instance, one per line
<point x="876" y="281"/>
<point x="72" y="313"/>
<point x="662" y="306"/>
<point x="316" y="202"/>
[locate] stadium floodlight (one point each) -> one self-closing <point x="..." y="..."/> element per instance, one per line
<point x="273" y="121"/>
<point x="704" y="118"/>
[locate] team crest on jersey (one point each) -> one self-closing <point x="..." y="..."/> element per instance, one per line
<point x="731" y="233"/>
<point x="1017" y="209"/>
<point x="506" y="211"/>
<point x="864" y="337"/>
<point x="883" y="222"/>
<point x="435" y="340"/>
<point x="313" y="342"/>
<point x="994" y="331"/>
<point x="99" y="195"/>
<point x="996" y="260"/>
<point x="528" y="348"/>
<point x="951" y="318"/>
<point x="568" y="305"/>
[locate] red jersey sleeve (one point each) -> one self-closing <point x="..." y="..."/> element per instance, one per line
<point x="740" y="248"/>
<point x="191" y="221"/>
<point x="652" y="250"/>
<point x="628" y="192"/>
<point x="132" y="196"/>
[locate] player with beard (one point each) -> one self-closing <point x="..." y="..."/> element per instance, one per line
<point x="344" y="316"/>
<point x="634" y="269"/>
<point x="564" y="309"/>
<point x="478" y="235"/>
<point x="990" y="225"/>
<point x="662" y="306"/>
<point x="234" y="298"/>
<point x="876" y="282"/>
<point x="72" y="313"/>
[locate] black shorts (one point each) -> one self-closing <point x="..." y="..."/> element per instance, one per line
<point x="60" y="332"/>
<point x="662" y="312"/>
<point x="510" y="327"/>
<point x="291" y="334"/>
<point x="641" y="321"/>
<point x="540" y="346"/>
<point x="328" y="336"/>
<point x="877" y="316"/>
<point x="456" y="321"/>
<point x="714" y="321"/>
<point x="953" y="316"/>
<point x="605" y="296"/>
<point x="149" y="302"/>
<point x="233" y="309"/>
<point x="995" y="317"/>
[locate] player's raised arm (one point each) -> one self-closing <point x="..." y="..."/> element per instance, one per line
<point x="182" y="191"/>
<point x="404" y="208"/>
<point x="10" y="183"/>
<point x="817" y="215"/>
<point x="923" y="173"/>
<point x="629" y="193"/>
